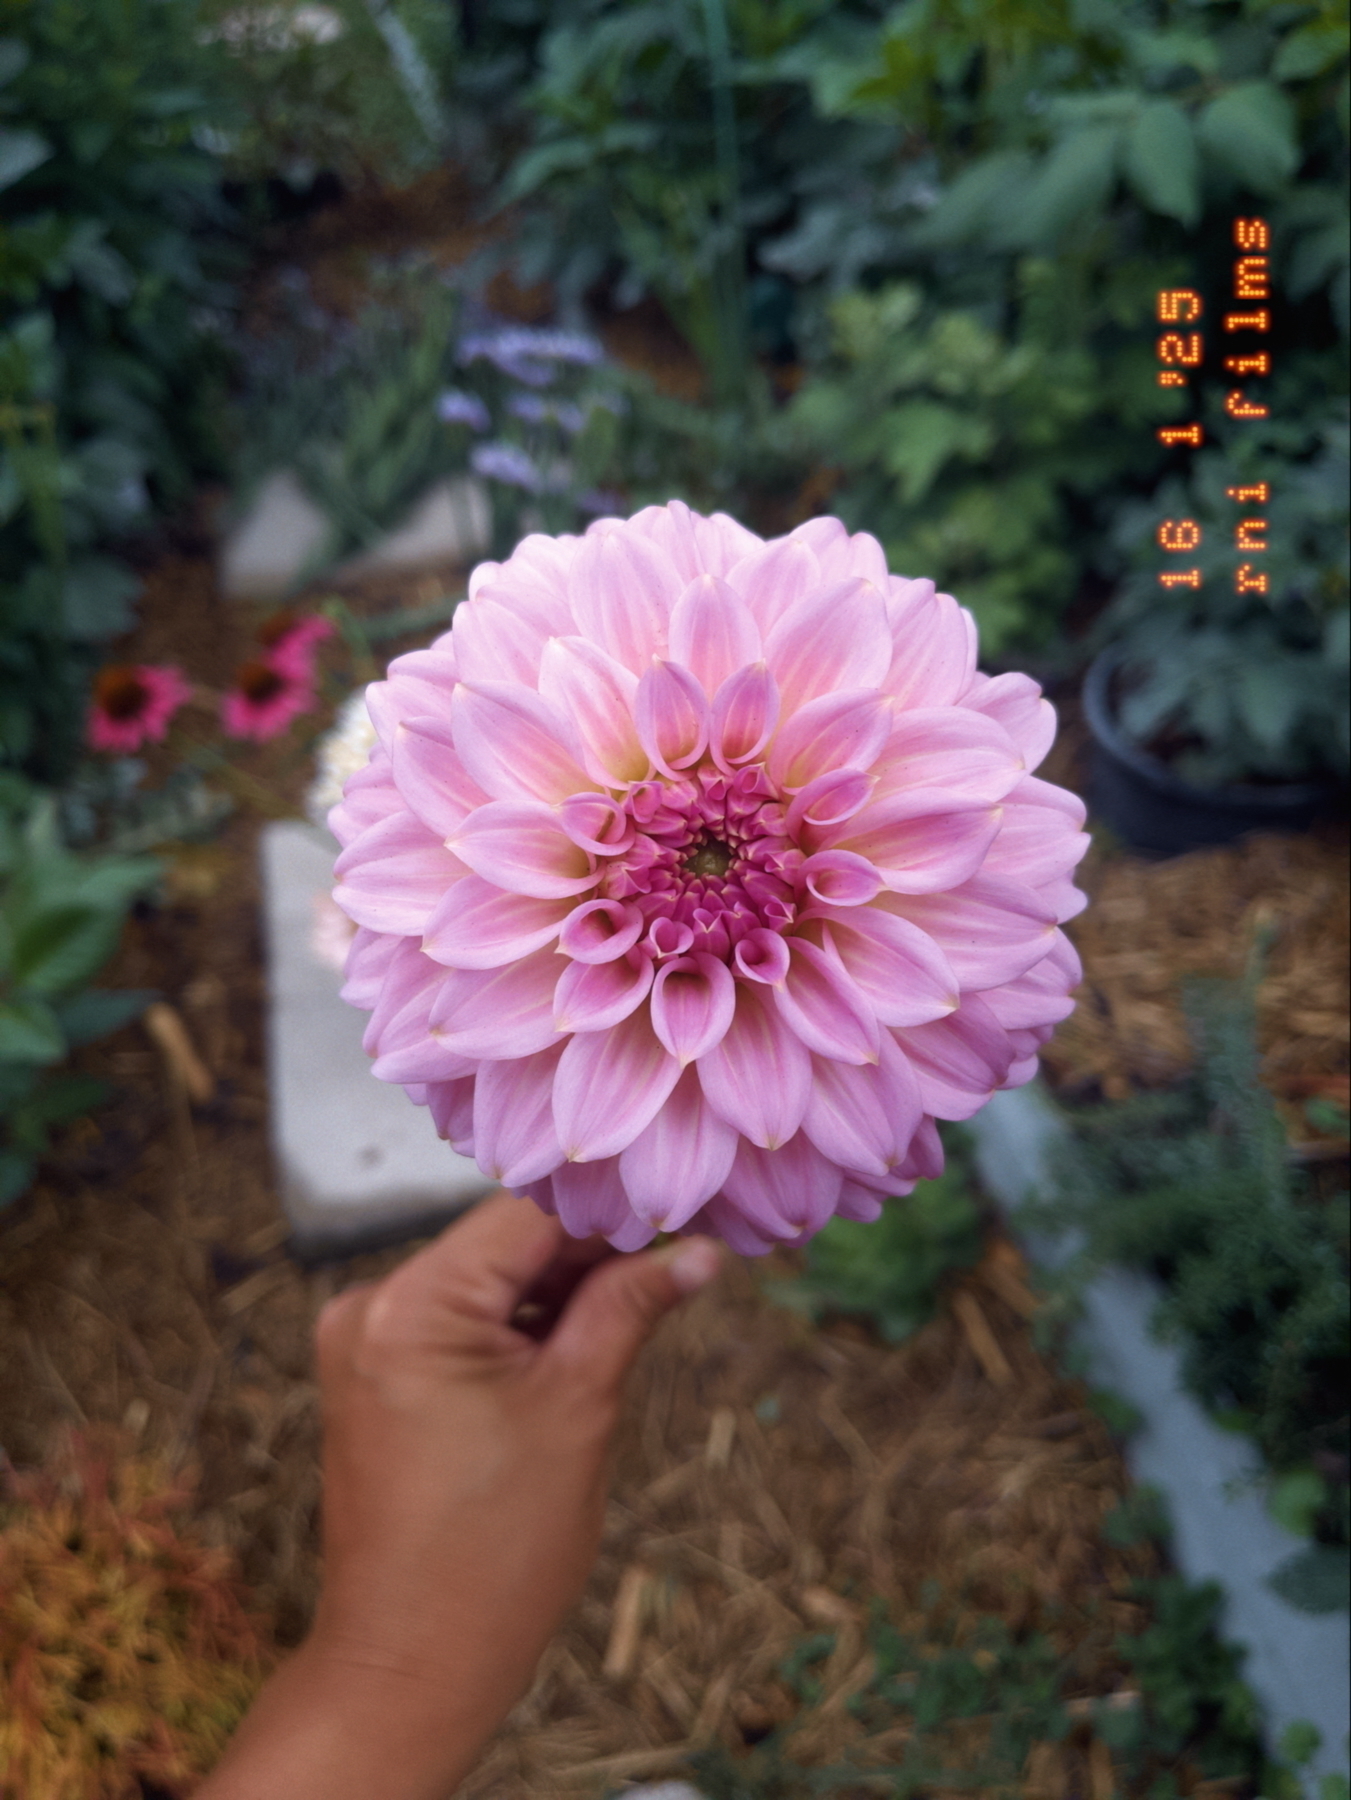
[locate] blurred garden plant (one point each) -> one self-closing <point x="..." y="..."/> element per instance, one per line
<point x="892" y="1272"/>
<point x="1196" y="1188"/>
<point x="60" y="918"/>
<point x="371" y="414"/>
<point x="127" y="1655"/>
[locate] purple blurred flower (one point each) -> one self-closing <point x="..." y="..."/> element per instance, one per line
<point x="536" y="411"/>
<point x="507" y="463"/>
<point x="527" y="353"/>
<point x="457" y="408"/>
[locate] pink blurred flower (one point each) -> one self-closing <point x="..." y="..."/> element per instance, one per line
<point x="268" y="693"/>
<point x="697" y="876"/>
<point x="290" y="640"/>
<point x="132" y="704"/>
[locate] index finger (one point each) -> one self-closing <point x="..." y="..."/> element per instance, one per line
<point x="480" y="1266"/>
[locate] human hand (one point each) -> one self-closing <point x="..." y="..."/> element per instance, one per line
<point x="465" y="1477"/>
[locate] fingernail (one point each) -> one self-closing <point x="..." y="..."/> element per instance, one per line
<point x="693" y="1264"/>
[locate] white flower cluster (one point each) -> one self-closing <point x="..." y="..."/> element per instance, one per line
<point x="342" y="751"/>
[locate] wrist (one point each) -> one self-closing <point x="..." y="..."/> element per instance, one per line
<point x="334" y="1724"/>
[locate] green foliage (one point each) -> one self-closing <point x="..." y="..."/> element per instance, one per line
<point x="892" y="1271"/>
<point x="1195" y="1188"/>
<point x="345" y="87"/>
<point x="1079" y="159"/>
<point x="1193" y="1706"/>
<point x="60" y="918"/>
<point x="108" y="371"/>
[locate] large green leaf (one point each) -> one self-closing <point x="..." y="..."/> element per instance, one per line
<point x="63" y="947"/>
<point x="922" y="435"/>
<point x="20" y="152"/>
<point x="1074" y="180"/>
<point x="29" y="1033"/>
<point x="1161" y="162"/>
<point x="1316" y="1579"/>
<point x="1250" y="132"/>
<point x="98" y="1011"/>
<point x="1313" y="48"/>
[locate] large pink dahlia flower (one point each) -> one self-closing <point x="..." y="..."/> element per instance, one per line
<point x="697" y="876"/>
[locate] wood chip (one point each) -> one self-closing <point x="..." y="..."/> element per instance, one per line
<point x="984" y="1345"/>
<point x="626" y="1622"/>
<point x="721" y="1435"/>
<point x="185" y="1068"/>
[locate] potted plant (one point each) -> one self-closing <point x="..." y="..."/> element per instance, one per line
<point x="1222" y="708"/>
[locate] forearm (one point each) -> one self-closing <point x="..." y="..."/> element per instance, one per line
<point x="328" y="1727"/>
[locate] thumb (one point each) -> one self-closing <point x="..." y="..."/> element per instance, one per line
<point x="620" y="1304"/>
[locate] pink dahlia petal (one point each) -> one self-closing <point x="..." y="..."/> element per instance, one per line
<point x="834" y="638"/>
<point x="898" y="968"/>
<point x="514" y="744"/>
<point x="922" y="842"/>
<point x="600" y="930"/>
<point x="393" y="876"/>
<point x="418" y="685"/>
<point x="590" y="1201"/>
<point x="597" y="823"/>
<point x="476" y="925"/>
<point x="451" y="1104"/>
<point x="520" y="846"/>
<point x="427" y="773"/>
<point x="712" y="632"/>
<point x="609" y="1087"/>
<point x="409" y="1052"/>
<point x="839" y="554"/>
<point x="862" y="1204"/>
<point x="785" y="1193"/>
<point x="693" y="999"/>
<point x="763" y="956"/>
<point x="369" y="796"/>
<point x="1040" y="841"/>
<point x="758" y="1075"/>
<point x="495" y="1013"/>
<point x="368" y="958"/>
<point x="772" y="578"/>
<point x="834" y="731"/>
<point x="495" y="643"/>
<point x="1015" y="702"/>
<point x="863" y="1116"/>
<point x="745" y="712"/>
<point x="671" y="714"/>
<point x="822" y="1004"/>
<point x="829" y="800"/>
<point x="622" y="590"/>
<point x="962" y="753"/>
<point x="680" y="1160"/>
<point x="596" y="695"/>
<point x="959" y="1061"/>
<point x="935" y="651"/>
<point x="1042" y="994"/>
<point x="990" y="929"/>
<point x="514" y="1137"/>
<point x="593" y="996"/>
<point x="839" y="878"/>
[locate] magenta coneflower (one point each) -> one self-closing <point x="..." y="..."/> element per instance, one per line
<point x="268" y="693"/>
<point x="132" y="704"/>
<point x="697" y="876"/>
<point x="290" y="640"/>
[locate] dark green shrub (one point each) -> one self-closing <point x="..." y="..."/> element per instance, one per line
<point x="60" y="918"/>
<point x="1196" y="1188"/>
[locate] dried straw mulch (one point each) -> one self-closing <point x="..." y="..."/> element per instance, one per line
<point x="1282" y="899"/>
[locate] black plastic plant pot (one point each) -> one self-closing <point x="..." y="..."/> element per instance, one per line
<point x="1152" y="809"/>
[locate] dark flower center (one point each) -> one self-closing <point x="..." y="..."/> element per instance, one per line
<point x="710" y="856"/>
<point x="260" y="682"/>
<point x="120" y="693"/>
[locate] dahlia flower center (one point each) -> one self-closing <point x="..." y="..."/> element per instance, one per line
<point x="121" y="694"/>
<point x="712" y="857"/>
<point x="710" y="854"/>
